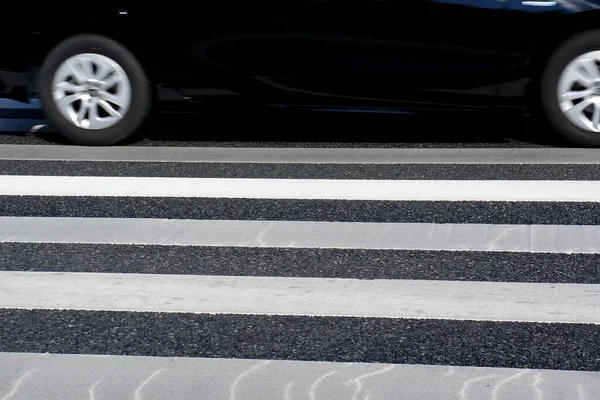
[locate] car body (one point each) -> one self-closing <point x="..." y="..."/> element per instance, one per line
<point x="397" y="56"/>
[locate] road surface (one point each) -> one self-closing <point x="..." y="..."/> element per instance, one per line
<point x="299" y="271"/>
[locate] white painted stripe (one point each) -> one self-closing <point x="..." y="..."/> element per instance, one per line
<point x="485" y="301"/>
<point x="66" y="376"/>
<point x="304" y="234"/>
<point x="304" y="189"/>
<point x="302" y="155"/>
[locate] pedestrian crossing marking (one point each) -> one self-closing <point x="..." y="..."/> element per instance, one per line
<point x="306" y="189"/>
<point x="97" y="298"/>
<point x="326" y="297"/>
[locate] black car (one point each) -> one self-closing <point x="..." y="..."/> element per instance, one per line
<point x="101" y="68"/>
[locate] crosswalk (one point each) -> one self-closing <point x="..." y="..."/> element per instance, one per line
<point x="299" y="273"/>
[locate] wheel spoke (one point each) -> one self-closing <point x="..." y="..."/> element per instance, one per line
<point x="94" y="119"/>
<point x="81" y="114"/>
<point x="589" y="65"/>
<point x="111" y="81"/>
<point x="102" y="71"/>
<point x="575" y="111"/>
<point x="77" y="71"/>
<point x="66" y="101"/>
<point x="106" y="106"/>
<point x="109" y="97"/>
<point x="88" y="68"/>
<point x="575" y="73"/>
<point x="577" y="94"/>
<point x="596" y="117"/>
<point x="67" y="87"/>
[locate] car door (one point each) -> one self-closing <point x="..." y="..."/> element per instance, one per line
<point x="225" y="50"/>
<point x="368" y="53"/>
<point x="375" y="53"/>
<point x="357" y="53"/>
<point x="413" y="53"/>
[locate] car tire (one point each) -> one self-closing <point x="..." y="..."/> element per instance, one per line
<point x="93" y="90"/>
<point x="574" y="118"/>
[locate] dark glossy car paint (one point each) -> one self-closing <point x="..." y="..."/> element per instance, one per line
<point x="338" y="55"/>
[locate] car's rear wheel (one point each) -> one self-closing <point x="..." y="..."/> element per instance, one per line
<point x="570" y="89"/>
<point x="93" y="90"/>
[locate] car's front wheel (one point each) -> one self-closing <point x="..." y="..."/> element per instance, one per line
<point x="93" y="90"/>
<point x="570" y="89"/>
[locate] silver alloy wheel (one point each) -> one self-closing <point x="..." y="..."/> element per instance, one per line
<point x="91" y="90"/>
<point x="579" y="91"/>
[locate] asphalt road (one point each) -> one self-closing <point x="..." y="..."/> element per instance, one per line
<point x="75" y="343"/>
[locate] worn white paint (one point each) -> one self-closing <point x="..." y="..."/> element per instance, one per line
<point x="304" y="234"/>
<point x="456" y="300"/>
<point x="303" y="155"/>
<point x="65" y="376"/>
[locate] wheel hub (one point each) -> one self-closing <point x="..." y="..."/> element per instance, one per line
<point x="94" y="92"/>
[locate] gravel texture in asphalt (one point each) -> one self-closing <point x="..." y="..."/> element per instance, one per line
<point x="290" y="262"/>
<point x="447" y="342"/>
